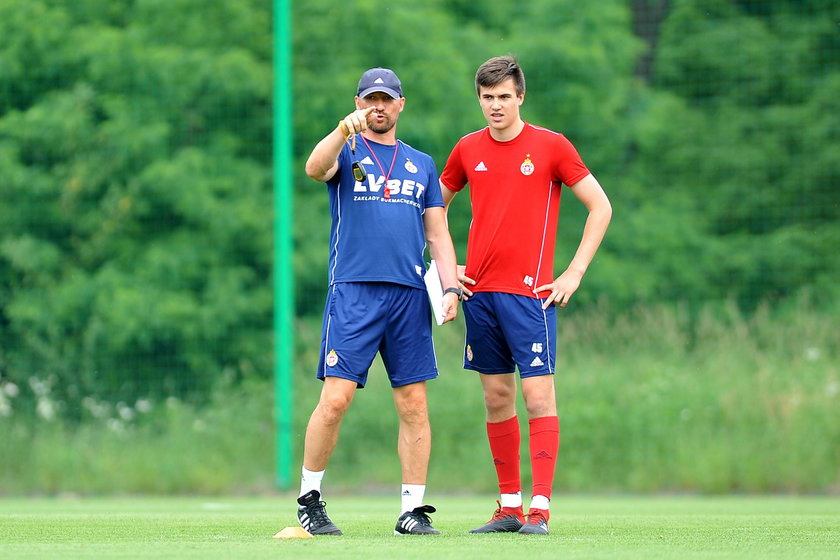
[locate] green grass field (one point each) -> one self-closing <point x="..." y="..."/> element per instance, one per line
<point x="581" y="527"/>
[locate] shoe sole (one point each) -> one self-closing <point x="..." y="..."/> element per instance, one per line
<point x="483" y="531"/>
<point x="529" y="531"/>
<point x="336" y="533"/>
<point x="507" y="526"/>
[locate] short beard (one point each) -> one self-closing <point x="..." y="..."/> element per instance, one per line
<point x="383" y="128"/>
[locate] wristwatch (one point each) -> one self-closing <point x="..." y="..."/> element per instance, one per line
<point x="457" y="291"/>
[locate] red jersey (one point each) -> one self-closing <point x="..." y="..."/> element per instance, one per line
<point x="515" y="189"/>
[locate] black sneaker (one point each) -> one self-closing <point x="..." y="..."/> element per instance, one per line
<point x="312" y="515"/>
<point x="537" y="523"/>
<point x="416" y="522"/>
<point x="504" y="520"/>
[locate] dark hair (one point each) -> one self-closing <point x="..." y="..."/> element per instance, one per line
<point x="497" y="70"/>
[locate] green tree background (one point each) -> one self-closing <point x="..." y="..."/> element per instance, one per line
<point x="135" y="163"/>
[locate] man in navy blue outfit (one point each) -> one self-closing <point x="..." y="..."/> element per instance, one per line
<point x="386" y="205"/>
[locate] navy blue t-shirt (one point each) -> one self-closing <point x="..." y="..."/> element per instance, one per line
<point x="379" y="237"/>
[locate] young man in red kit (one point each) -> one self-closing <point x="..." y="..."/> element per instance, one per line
<point x="516" y="172"/>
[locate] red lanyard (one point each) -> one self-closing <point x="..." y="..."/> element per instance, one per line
<point x="386" y="192"/>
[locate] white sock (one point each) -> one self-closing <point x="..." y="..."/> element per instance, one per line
<point x="310" y="480"/>
<point x="512" y="500"/>
<point x="539" y="502"/>
<point x="412" y="496"/>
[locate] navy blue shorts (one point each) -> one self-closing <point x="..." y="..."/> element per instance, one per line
<point x="363" y="318"/>
<point x="505" y="331"/>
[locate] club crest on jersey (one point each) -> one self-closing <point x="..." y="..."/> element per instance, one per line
<point x="410" y="167"/>
<point x="527" y="167"/>
<point x="332" y="358"/>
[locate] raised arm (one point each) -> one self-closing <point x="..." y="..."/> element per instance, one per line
<point x="323" y="161"/>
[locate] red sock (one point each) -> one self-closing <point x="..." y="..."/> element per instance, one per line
<point x="504" y="445"/>
<point x="544" y="445"/>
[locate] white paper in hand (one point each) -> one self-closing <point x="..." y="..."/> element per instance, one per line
<point x="435" y="292"/>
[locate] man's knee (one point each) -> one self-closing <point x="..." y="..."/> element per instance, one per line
<point x="499" y="396"/>
<point x="540" y="408"/>
<point x="333" y="406"/>
<point x="412" y="404"/>
<point x="539" y="396"/>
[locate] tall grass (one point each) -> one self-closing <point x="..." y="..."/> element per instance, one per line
<point x="166" y="447"/>
<point x="665" y="398"/>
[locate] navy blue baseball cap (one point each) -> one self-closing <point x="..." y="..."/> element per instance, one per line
<point x="380" y="79"/>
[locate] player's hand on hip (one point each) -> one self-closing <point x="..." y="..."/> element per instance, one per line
<point x="355" y="122"/>
<point x="463" y="280"/>
<point x="561" y="289"/>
